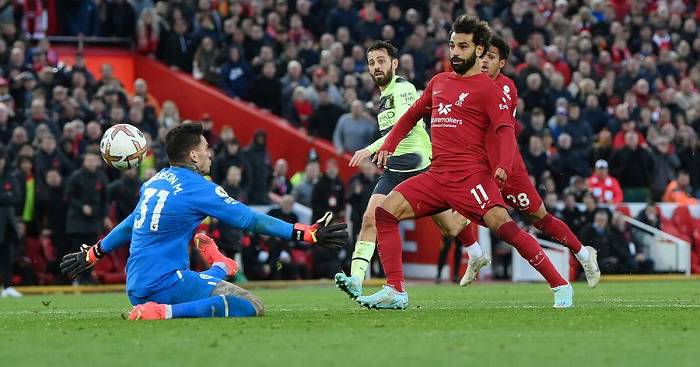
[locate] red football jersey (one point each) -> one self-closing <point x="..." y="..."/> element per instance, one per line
<point x="509" y="96"/>
<point x="463" y="110"/>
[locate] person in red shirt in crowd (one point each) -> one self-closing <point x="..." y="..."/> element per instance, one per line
<point x="627" y="125"/>
<point x="605" y="188"/>
<point x="465" y="105"/>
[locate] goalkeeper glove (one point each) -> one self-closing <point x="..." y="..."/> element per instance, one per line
<point x="77" y="262"/>
<point x="322" y="233"/>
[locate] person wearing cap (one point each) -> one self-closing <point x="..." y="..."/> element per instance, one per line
<point x="605" y="188"/>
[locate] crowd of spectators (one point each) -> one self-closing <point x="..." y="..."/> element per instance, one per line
<point x="609" y="108"/>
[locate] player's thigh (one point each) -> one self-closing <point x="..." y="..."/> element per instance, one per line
<point x="418" y="197"/>
<point x="390" y="179"/>
<point x="520" y="193"/>
<point x="224" y="288"/>
<point x="474" y="196"/>
<point x="190" y="286"/>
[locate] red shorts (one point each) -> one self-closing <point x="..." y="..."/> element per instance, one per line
<point x="520" y="194"/>
<point x="431" y="193"/>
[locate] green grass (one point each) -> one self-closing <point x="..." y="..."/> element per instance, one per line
<point x="617" y="324"/>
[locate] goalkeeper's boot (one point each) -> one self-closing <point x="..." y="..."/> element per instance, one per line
<point x="563" y="296"/>
<point x="148" y="311"/>
<point x="386" y="298"/>
<point x="590" y="267"/>
<point x="351" y="285"/>
<point x="212" y="255"/>
<point x="473" y="267"/>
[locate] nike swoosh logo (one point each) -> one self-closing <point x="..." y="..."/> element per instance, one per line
<point x="436" y="92"/>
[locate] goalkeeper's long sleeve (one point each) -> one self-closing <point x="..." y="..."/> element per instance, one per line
<point x="119" y="236"/>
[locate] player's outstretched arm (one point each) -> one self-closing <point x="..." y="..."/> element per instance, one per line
<point x="77" y="262"/>
<point x="219" y="205"/>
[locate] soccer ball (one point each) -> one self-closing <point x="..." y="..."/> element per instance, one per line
<point x="123" y="146"/>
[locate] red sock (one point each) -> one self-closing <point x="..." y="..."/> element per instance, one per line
<point x="468" y="235"/>
<point x="389" y="247"/>
<point x="531" y="251"/>
<point x="561" y="233"/>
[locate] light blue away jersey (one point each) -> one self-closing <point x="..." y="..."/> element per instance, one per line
<point x="172" y="204"/>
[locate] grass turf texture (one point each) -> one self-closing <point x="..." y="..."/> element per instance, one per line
<point x="617" y="324"/>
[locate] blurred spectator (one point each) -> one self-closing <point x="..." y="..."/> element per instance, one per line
<point x="53" y="222"/>
<point x="666" y="162"/>
<point x="571" y="215"/>
<point x="633" y="166"/>
<point x="48" y="157"/>
<point x="228" y="157"/>
<point x="179" y="47"/>
<point x="323" y="121"/>
<point x="266" y="90"/>
<point x="328" y="193"/>
<point x="605" y="188"/>
<point x="124" y="193"/>
<point x="230" y="238"/>
<point x="236" y="74"/>
<point x="536" y="158"/>
<point x="260" y="169"/>
<point x="148" y="30"/>
<point x="303" y="191"/>
<point x="169" y="115"/>
<point x="355" y="130"/>
<point x="120" y="20"/>
<point x="614" y="256"/>
<point x="568" y="162"/>
<point x="281" y="185"/>
<point x="291" y="263"/>
<point x="10" y="231"/>
<point x="205" y="62"/>
<point x="87" y="209"/>
<point x="690" y="162"/>
<point x="679" y="190"/>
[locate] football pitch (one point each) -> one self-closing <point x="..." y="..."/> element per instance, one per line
<point x="616" y="324"/>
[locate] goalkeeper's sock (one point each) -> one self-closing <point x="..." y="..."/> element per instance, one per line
<point x="217" y="270"/>
<point x="389" y="240"/>
<point x="561" y="233"/>
<point x="361" y="258"/>
<point x="215" y="306"/>
<point x="530" y="250"/>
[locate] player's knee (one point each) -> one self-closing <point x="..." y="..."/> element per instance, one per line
<point x="368" y="219"/>
<point x="257" y="304"/>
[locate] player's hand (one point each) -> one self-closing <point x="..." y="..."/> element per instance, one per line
<point x="78" y="262"/>
<point x="323" y="233"/>
<point x="500" y="175"/>
<point x="359" y="156"/>
<point x="381" y="158"/>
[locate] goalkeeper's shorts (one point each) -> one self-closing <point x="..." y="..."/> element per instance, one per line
<point x="190" y="286"/>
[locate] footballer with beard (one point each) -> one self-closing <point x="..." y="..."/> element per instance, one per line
<point x="411" y="157"/>
<point x="465" y="106"/>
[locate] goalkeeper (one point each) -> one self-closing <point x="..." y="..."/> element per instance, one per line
<point x="172" y="204"/>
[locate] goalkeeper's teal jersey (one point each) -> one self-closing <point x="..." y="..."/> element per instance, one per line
<point x="414" y="151"/>
<point x="172" y="205"/>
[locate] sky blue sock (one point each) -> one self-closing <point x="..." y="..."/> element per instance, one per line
<point x="215" y="306"/>
<point x="215" y="271"/>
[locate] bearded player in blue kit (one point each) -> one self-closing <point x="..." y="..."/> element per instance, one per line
<point x="171" y="206"/>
